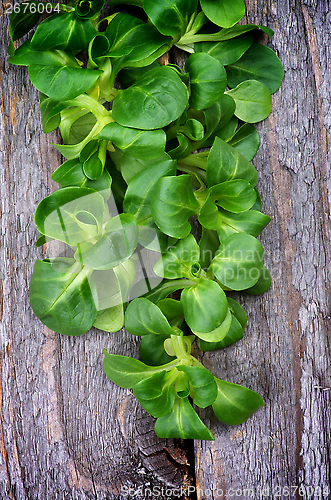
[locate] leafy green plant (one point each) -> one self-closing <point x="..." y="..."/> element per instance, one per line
<point x="172" y="146"/>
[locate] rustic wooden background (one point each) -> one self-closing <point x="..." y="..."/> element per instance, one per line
<point x="66" y="432"/>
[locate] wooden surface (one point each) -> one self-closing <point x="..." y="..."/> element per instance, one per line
<point x="66" y="431"/>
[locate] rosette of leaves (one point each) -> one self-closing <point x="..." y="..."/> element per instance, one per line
<point x="165" y="390"/>
<point x="133" y="178"/>
<point x="70" y="295"/>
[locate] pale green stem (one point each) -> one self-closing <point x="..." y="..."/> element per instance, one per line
<point x="189" y="38"/>
<point x="178" y="346"/>
<point x="64" y="8"/>
<point x="87" y="102"/>
<point x="196" y="160"/>
<point x="173" y="375"/>
<point x="194" y="170"/>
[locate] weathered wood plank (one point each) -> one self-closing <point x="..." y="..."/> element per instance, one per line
<point x="66" y="431"/>
<point x="285" y="354"/>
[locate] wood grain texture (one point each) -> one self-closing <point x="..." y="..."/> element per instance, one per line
<point x="285" y="353"/>
<point x="66" y="432"/>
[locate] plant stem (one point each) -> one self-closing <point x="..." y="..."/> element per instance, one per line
<point x="87" y="102"/>
<point x="196" y="160"/>
<point x="194" y="170"/>
<point x="178" y="345"/>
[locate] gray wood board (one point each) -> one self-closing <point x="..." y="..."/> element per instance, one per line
<point x="66" y="431"/>
<point x="285" y="353"/>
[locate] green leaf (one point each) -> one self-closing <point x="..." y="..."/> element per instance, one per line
<point x="156" y="394"/>
<point x="137" y="200"/>
<point x="208" y="244"/>
<point x="151" y="237"/>
<point x="111" y="319"/>
<point x="209" y="215"/>
<point x="224" y="34"/>
<point x="170" y="18"/>
<point x="129" y="76"/>
<point x="203" y="385"/>
<point x="143" y="40"/>
<point x="177" y="262"/>
<point x="113" y="287"/>
<point x="182" y="385"/>
<point x="131" y="166"/>
<point x="236" y="330"/>
<point x="179" y="147"/>
<point x="94" y="164"/>
<point x="50" y="113"/>
<point x="145" y="106"/>
<point x="97" y="47"/>
<point x="11" y="48"/>
<point x="183" y="76"/>
<point x="217" y="119"/>
<point x="234" y="403"/>
<point x="26" y="55"/>
<point x="253" y="101"/>
<point x="219" y="113"/>
<point x="125" y="274"/>
<point x="229" y="51"/>
<point x="205" y="306"/>
<point x="61" y="296"/>
<point x="172" y="203"/>
<point x="207" y="79"/>
<point x="235" y="196"/>
<point x="238" y="312"/>
<point x="173" y="311"/>
<point x="258" y="204"/>
<point x="58" y="215"/>
<point x="224" y="13"/>
<point x="193" y="129"/>
<point x="152" y="350"/>
<point x="251" y="222"/>
<point x="71" y="173"/>
<point x="155" y="290"/>
<point x="246" y="141"/>
<point x="76" y="124"/>
<point x="63" y="31"/>
<point x="118" y="243"/>
<point x="88" y="8"/>
<point x="21" y="22"/>
<point x="42" y="240"/>
<point x="182" y="422"/>
<point x="227" y="107"/>
<point x="238" y="262"/>
<point x="64" y="82"/>
<point x="219" y="333"/>
<point x="148" y="144"/>
<point x="234" y="334"/>
<point x="142" y="317"/>
<point x="212" y="117"/>
<point x="228" y="34"/>
<point x="126" y="372"/>
<point x="225" y="163"/>
<point x="88" y="150"/>
<point x="258" y="63"/>
<point x="227" y="131"/>
<point x="262" y="285"/>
